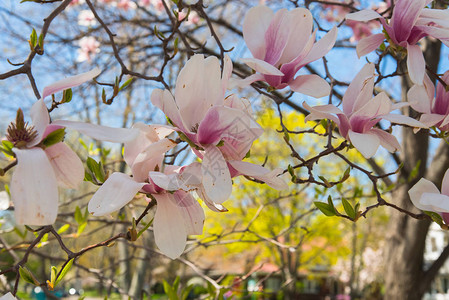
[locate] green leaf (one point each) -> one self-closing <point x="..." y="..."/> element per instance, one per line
<point x="435" y="217"/>
<point x="290" y="170"/>
<point x="54" y="137"/>
<point x="67" y="96"/>
<point x="64" y="271"/>
<point x="33" y="38"/>
<point x="325" y="208"/>
<point x="81" y="228"/>
<point x="414" y="171"/>
<point x="144" y="228"/>
<point x="27" y="276"/>
<point x="348" y="208"/>
<point x="78" y="215"/>
<point x="63" y="228"/>
<point x="171" y="293"/>
<point x="41" y="41"/>
<point x="88" y="176"/>
<point x="53" y="274"/>
<point x="176" y="283"/>
<point x="125" y="84"/>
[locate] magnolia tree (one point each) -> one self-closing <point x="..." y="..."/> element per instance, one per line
<point x="207" y="65"/>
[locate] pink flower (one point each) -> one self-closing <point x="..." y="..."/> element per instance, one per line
<point x="426" y="196"/>
<point x="178" y="214"/>
<point x="282" y="44"/>
<point x="410" y="22"/>
<point x="434" y="108"/>
<point x="89" y="47"/>
<point x="126" y="4"/>
<point x="192" y="18"/>
<point x="219" y="130"/>
<point x="86" y="18"/>
<point x="361" y="113"/>
<point x="40" y="169"/>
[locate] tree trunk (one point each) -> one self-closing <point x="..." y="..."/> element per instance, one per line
<point x="405" y="277"/>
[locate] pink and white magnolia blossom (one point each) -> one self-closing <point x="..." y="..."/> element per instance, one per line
<point x="40" y="169"/>
<point x="192" y="19"/>
<point x="434" y="107"/>
<point x="177" y="215"/>
<point x="426" y="196"/>
<point x="220" y="130"/>
<point x="86" y="18"/>
<point x="89" y="47"/>
<point x="361" y="113"/>
<point x="281" y="44"/>
<point x="126" y="5"/>
<point x="410" y="22"/>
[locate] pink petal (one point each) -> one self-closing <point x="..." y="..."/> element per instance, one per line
<point x="192" y="212"/>
<point x="99" y="132"/>
<point x="242" y="83"/>
<point x="322" y="47"/>
<point x="68" y="168"/>
<point x="311" y="85"/>
<point x="387" y="140"/>
<point x="34" y="190"/>
<point x="163" y="100"/>
<point x="360" y="89"/>
<point x="405" y="14"/>
<point x="415" y="64"/>
<point x="198" y="88"/>
<point x="271" y="178"/>
<point x="379" y="105"/>
<point x="320" y="112"/>
<point x="216" y="177"/>
<point x="404" y="120"/>
<point x="209" y="203"/>
<point x="421" y="187"/>
<point x="170" y="232"/>
<point x="40" y="119"/>
<point x="299" y="25"/>
<point x="227" y="72"/>
<point x="262" y="66"/>
<point x="70" y="82"/>
<point x="431" y="119"/>
<point x="256" y="23"/>
<point x="366" y="143"/>
<point x="445" y="183"/>
<point x="116" y="192"/>
<point x="276" y="37"/>
<point x="150" y="159"/>
<point x="419" y="99"/>
<point x="434" y="16"/>
<point x="369" y="44"/>
<point x="363" y="15"/>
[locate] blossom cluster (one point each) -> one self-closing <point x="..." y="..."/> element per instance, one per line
<point x="220" y="127"/>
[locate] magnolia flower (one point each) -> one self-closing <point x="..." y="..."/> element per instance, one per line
<point x="126" y="4"/>
<point x="410" y="22"/>
<point x="361" y="113"/>
<point x="434" y="108"/>
<point x="282" y="44"/>
<point x="44" y="162"/>
<point x="8" y="296"/>
<point x="219" y="130"/>
<point x="426" y="196"/>
<point x="192" y="18"/>
<point x="86" y="18"/>
<point x="177" y="215"/>
<point x="89" y="46"/>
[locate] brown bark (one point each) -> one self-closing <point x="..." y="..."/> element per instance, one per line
<point x="405" y="277"/>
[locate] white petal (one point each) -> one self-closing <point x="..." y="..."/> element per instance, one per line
<point x="271" y="178"/>
<point x="70" y="82"/>
<point x="262" y="67"/>
<point x="421" y="187"/>
<point x="436" y="202"/>
<point x="363" y="15"/>
<point x="242" y="83"/>
<point x="8" y="296"/>
<point x="366" y="143"/>
<point x="311" y="85"/>
<point x="40" y="119"/>
<point x="68" y="168"/>
<point x="415" y="64"/>
<point x="216" y="177"/>
<point x="99" y="132"/>
<point x="445" y="183"/>
<point x="256" y="22"/>
<point x="116" y="192"/>
<point x="170" y="232"/>
<point x="4" y="200"/>
<point x="34" y="190"/>
<point x="387" y="140"/>
<point x="419" y="100"/>
<point x="360" y="89"/>
<point x="322" y="47"/>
